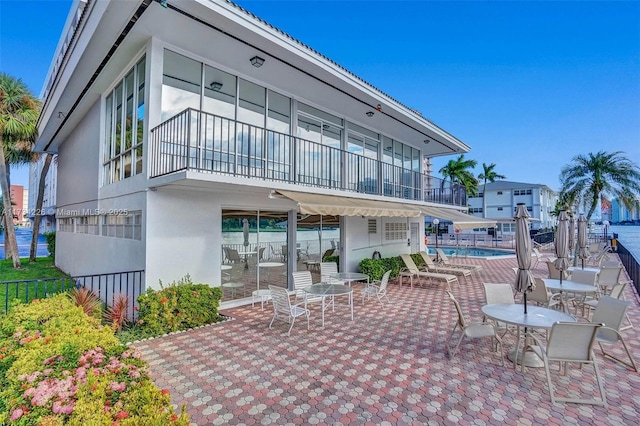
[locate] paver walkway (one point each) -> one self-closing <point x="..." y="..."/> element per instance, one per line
<point x="389" y="366"/>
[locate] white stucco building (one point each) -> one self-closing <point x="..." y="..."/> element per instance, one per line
<point x="174" y="121"/>
<point x="48" y="222"/>
<point x="501" y="198"/>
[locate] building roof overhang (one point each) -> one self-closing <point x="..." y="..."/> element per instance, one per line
<point x="110" y="33"/>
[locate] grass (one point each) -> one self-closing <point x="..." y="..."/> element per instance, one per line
<point x="43" y="268"/>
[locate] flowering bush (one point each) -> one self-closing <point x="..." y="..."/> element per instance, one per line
<point x="179" y="306"/>
<point x="60" y="366"/>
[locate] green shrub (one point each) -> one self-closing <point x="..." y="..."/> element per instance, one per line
<point x="60" y="366"/>
<point x="51" y="242"/>
<point x="376" y="268"/>
<point x="179" y="306"/>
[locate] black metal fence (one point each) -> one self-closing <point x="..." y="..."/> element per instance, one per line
<point x="203" y="142"/>
<point x="27" y="290"/>
<point x="630" y="264"/>
<point x="106" y="286"/>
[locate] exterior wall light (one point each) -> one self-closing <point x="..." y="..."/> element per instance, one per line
<point x="369" y="113"/>
<point x="257" y="61"/>
<point x="216" y="86"/>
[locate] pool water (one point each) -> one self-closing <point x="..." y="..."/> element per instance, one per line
<point x="472" y="251"/>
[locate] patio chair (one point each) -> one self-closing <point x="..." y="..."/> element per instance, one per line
<point x="608" y="277"/>
<point x="554" y="272"/>
<point x="570" y="342"/>
<point x="539" y="257"/>
<point x="498" y="294"/>
<point x="611" y="313"/>
<point x="284" y="310"/>
<point x="233" y="256"/>
<point x="411" y="270"/>
<point x="590" y="305"/>
<point x="445" y="261"/>
<point x="327" y="254"/>
<point x="301" y="280"/>
<point x="475" y="330"/>
<point x="584" y="277"/>
<point x="543" y="296"/>
<point x="378" y="289"/>
<point x="447" y="269"/>
<point x="326" y="269"/>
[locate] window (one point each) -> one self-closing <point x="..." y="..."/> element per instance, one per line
<point x="395" y="231"/>
<point x="124" y="106"/>
<point x="499" y="192"/>
<point x="476" y="210"/>
<point x="528" y="192"/>
<point x="499" y="209"/>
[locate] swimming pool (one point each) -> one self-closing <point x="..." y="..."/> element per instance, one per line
<point x="472" y="251"/>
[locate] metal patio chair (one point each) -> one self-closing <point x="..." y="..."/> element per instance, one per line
<point x="284" y="310"/>
<point x="378" y="289"/>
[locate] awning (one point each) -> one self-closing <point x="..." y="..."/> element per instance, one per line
<point x="347" y="206"/>
<point x="460" y="220"/>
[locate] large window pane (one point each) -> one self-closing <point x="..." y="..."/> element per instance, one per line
<point x="180" y="84"/>
<point x="251" y="107"/>
<point x="128" y="118"/>
<point x="279" y="116"/>
<point x="219" y="93"/>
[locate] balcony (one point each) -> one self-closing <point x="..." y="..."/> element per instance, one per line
<point x="197" y="141"/>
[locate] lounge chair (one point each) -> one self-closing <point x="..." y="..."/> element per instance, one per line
<point x="446" y="269"/>
<point x="411" y="270"/>
<point x="445" y="261"/>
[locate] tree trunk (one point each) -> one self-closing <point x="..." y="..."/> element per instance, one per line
<point x="37" y="214"/>
<point x="7" y="250"/>
<point x="10" y="242"/>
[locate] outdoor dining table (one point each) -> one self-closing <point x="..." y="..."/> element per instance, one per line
<point x="588" y="269"/>
<point x="330" y="290"/>
<point x="349" y="277"/>
<point x="536" y="317"/>
<point x="567" y="286"/>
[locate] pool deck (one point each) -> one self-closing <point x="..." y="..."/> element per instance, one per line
<point x="389" y="366"/>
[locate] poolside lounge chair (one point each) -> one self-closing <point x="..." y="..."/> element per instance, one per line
<point x="445" y="261"/>
<point x="445" y="269"/>
<point x="411" y="270"/>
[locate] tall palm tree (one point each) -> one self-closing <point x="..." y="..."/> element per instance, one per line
<point x="488" y="175"/>
<point x="458" y="172"/>
<point x="593" y="177"/>
<point x="19" y="111"/>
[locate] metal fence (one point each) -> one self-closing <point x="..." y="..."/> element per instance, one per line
<point x="27" y="290"/>
<point x="203" y="142"/>
<point x="105" y="286"/>
<point x="631" y="264"/>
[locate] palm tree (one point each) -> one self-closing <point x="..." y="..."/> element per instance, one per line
<point x="593" y="177"/>
<point x="458" y="172"/>
<point x="19" y="111"/>
<point x="488" y="175"/>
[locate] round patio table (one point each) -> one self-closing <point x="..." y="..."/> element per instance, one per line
<point x="536" y="317"/>
<point x="570" y="286"/>
<point x="349" y="277"/>
<point x="330" y="290"/>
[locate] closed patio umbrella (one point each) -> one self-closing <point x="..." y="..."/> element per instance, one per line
<point x="583" y="243"/>
<point x="572" y="229"/>
<point x="562" y="244"/>
<point x="245" y="231"/>
<point x="524" y="278"/>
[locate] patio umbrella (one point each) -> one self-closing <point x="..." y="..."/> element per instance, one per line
<point x="572" y="229"/>
<point x="524" y="278"/>
<point x="583" y="243"/>
<point x="562" y="244"/>
<point x="245" y="231"/>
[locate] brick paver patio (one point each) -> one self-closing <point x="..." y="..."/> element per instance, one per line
<point x="388" y="366"/>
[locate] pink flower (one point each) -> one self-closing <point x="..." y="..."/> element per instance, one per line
<point x="118" y="387"/>
<point x="17" y="413"/>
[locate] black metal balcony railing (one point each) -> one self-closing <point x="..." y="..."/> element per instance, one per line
<point x="203" y="142"/>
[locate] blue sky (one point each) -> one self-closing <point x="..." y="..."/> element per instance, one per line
<point x="527" y="85"/>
